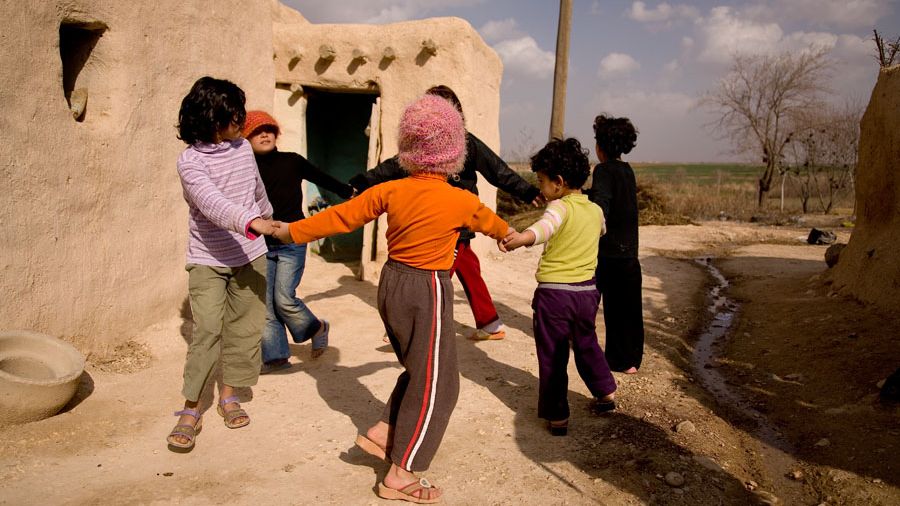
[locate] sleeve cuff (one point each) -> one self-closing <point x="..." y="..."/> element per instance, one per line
<point x="248" y="232"/>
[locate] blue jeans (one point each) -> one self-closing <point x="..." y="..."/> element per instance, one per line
<point x="285" y="267"/>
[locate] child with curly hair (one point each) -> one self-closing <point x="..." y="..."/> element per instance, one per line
<point x="228" y="212"/>
<point x="415" y="295"/>
<point x="618" y="269"/>
<point x="565" y="302"/>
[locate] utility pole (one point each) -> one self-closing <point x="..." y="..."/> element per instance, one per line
<point x="561" y="71"/>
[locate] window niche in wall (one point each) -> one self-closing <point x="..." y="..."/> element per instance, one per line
<point x="77" y="41"/>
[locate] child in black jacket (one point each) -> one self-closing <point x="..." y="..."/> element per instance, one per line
<point x="282" y="174"/>
<point x="479" y="159"/>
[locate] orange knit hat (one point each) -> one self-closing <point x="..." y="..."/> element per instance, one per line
<point x="256" y="120"/>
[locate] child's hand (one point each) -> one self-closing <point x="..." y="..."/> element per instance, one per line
<point x="283" y="233"/>
<point x="500" y="242"/>
<point x="517" y="240"/>
<point x="539" y="201"/>
<point x="262" y="226"/>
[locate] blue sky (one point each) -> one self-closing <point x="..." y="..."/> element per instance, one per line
<point x="647" y="60"/>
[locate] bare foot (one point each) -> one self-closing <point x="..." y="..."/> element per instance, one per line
<point x="379" y="433"/>
<point x="398" y="479"/>
<point x="630" y="370"/>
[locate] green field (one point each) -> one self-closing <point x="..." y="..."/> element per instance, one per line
<point x="697" y="173"/>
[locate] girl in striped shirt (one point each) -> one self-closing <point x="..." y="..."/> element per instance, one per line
<point x="228" y="213"/>
<point x="565" y="302"/>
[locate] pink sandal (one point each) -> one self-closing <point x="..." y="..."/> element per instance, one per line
<point x="422" y="486"/>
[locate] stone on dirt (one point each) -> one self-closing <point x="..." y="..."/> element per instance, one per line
<point x="685" y="427"/>
<point x="674" y="479"/>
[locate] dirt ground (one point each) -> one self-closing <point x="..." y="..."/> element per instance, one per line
<point x="804" y="362"/>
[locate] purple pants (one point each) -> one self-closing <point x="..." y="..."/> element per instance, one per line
<point x="563" y="313"/>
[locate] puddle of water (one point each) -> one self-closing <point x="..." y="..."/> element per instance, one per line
<point x="710" y="347"/>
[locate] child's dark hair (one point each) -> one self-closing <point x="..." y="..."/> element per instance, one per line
<point x="447" y="94"/>
<point x="210" y="106"/>
<point x="563" y="158"/>
<point x="615" y="136"/>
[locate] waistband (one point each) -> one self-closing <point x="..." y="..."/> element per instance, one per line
<point x="408" y="269"/>
<point x="580" y="286"/>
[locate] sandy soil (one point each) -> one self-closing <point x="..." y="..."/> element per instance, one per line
<point x="805" y="359"/>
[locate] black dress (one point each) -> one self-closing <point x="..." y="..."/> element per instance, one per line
<point x="618" y="273"/>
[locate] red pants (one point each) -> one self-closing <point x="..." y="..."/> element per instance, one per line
<point x="468" y="270"/>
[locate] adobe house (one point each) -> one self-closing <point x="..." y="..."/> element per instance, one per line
<point x="93" y="215"/>
<point x="340" y="91"/>
<point x="869" y="267"/>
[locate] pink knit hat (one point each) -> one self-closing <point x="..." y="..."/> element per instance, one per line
<point x="432" y="137"/>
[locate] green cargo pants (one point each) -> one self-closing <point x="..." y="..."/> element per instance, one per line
<point x="229" y="308"/>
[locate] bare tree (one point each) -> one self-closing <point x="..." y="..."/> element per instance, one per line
<point x="823" y="151"/>
<point x="885" y="54"/>
<point x="756" y="99"/>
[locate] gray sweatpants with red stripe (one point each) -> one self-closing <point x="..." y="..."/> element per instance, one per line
<point x="416" y="307"/>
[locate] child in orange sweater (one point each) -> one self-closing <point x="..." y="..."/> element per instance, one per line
<point x="415" y="294"/>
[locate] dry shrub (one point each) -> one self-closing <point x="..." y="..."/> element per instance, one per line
<point x="654" y="208"/>
<point x="653" y="205"/>
<point x="128" y="357"/>
<point x="509" y="208"/>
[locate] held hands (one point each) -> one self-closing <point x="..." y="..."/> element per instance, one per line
<point x="501" y="243"/>
<point x="283" y="233"/>
<point x="277" y="229"/>
<point x="515" y="240"/>
<point x="263" y="226"/>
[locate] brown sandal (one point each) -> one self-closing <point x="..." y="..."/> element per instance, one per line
<point x="184" y="430"/>
<point x="371" y="447"/>
<point x="423" y="487"/>
<point x="234" y="414"/>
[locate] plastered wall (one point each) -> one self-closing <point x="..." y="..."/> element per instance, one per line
<point x="869" y="267"/>
<point x="462" y="61"/>
<point x="92" y="215"/>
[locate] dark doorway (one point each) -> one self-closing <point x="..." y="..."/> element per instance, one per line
<point x="338" y="143"/>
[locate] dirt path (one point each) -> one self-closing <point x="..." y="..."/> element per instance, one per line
<point x="109" y="448"/>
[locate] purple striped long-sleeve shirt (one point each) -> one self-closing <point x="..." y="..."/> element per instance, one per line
<point x="224" y="193"/>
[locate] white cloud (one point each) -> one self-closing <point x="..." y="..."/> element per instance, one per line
<point x="504" y="29"/>
<point x="372" y="11"/>
<point x="617" y="65"/>
<point x="523" y="56"/>
<point x="833" y="13"/>
<point x="663" y="12"/>
<point x="725" y="34"/>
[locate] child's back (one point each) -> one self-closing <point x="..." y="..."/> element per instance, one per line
<point x="570" y="254"/>
<point x="565" y="301"/>
<point x="424" y="215"/>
